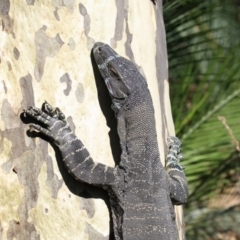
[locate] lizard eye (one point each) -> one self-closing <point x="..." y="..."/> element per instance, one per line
<point x="99" y="49"/>
<point x="114" y="74"/>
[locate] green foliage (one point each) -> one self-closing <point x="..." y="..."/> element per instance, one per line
<point x="210" y="221"/>
<point x="204" y="56"/>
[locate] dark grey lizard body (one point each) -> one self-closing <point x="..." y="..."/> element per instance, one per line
<point x="141" y="191"/>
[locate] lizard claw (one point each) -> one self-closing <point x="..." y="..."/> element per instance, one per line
<point x="41" y="130"/>
<point x="35" y="110"/>
<point x="174" y="156"/>
<point x="28" y="112"/>
<point x="55" y="113"/>
<point x="31" y="110"/>
<point x="183" y="167"/>
<point x="47" y="107"/>
<point x="61" y="116"/>
<point x="180" y="156"/>
<point x="174" y="144"/>
<point x="174" y="140"/>
<point x="34" y="127"/>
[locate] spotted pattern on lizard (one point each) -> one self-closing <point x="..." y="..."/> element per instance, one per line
<point x="141" y="190"/>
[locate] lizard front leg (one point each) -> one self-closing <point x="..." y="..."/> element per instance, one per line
<point x="176" y="178"/>
<point x="74" y="155"/>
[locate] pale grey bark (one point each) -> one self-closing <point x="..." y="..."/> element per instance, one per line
<point x="45" y="51"/>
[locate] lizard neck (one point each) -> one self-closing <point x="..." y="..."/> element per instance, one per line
<point x="137" y="133"/>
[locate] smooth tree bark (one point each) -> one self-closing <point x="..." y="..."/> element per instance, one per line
<point x="45" y="54"/>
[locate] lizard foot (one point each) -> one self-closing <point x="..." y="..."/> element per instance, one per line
<point x="51" y="121"/>
<point x="55" y="113"/>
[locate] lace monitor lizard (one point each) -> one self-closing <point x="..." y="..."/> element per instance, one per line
<point x="141" y="191"/>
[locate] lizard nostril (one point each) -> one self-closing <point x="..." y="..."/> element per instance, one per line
<point x="99" y="49"/>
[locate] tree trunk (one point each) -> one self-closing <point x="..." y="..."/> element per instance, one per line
<point x="45" y="51"/>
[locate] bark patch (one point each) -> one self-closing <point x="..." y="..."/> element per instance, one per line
<point x="4" y="7"/>
<point x="87" y="23"/>
<point x="65" y="78"/>
<point x="79" y="93"/>
<point x="45" y="47"/>
<point x="30" y="2"/>
<point x="71" y="44"/>
<point x="119" y="23"/>
<point x="16" y="53"/>
<point x="27" y="91"/>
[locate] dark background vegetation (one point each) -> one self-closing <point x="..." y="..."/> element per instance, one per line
<point x="203" y="41"/>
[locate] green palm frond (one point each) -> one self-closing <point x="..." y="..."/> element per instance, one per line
<point x="204" y="65"/>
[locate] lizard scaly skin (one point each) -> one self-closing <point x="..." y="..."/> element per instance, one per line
<point x="142" y="192"/>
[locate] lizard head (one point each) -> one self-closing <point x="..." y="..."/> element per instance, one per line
<point x="121" y="76"/>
